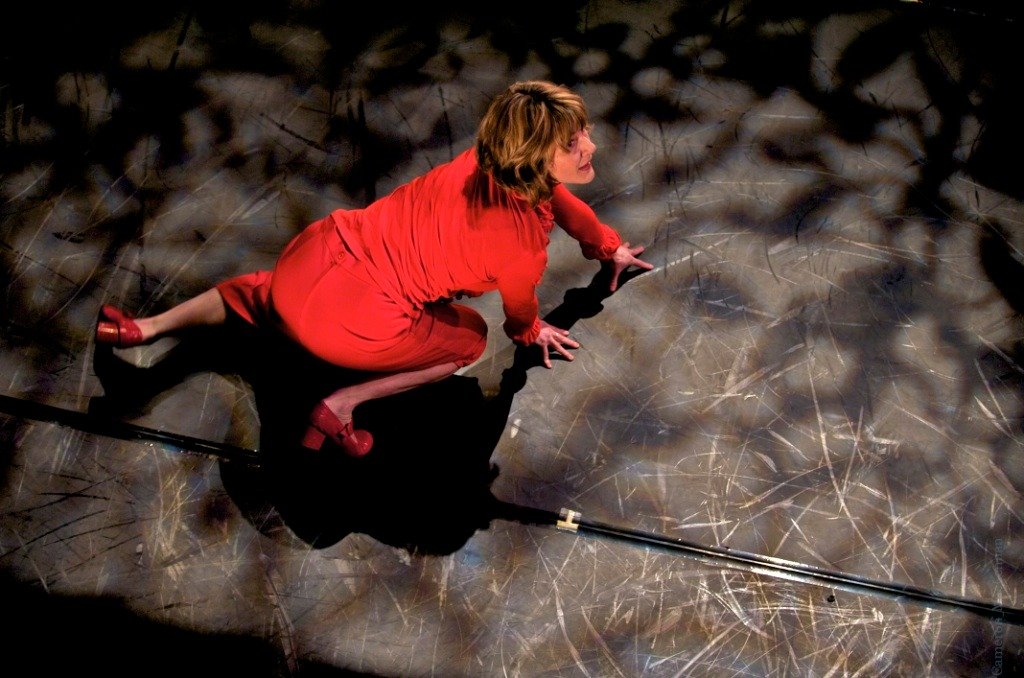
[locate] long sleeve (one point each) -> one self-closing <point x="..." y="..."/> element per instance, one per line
<point x="575" y="217"/>
<point x="518" y="288"/>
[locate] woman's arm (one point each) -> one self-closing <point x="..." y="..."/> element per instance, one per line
<point x="597" y="240"/>
<point x="518" y="289"/>
<point x="517" y="285"/>
<point x="577" y="218"/>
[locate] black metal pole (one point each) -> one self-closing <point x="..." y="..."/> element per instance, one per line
<point x="83" y="421"/>
<point x="572" y="521"/>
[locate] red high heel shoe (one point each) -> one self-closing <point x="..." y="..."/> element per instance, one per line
<point x="324" y="423"/>
<point x="118" y="329"/>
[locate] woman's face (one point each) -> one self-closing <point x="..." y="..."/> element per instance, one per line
<point x="571" y="164"/>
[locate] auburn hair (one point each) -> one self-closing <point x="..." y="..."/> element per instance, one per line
<point x="518" y="133"/>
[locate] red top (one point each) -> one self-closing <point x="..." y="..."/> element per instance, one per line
<point x="453" y="231"/>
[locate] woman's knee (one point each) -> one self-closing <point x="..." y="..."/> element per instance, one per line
<point x="474" y="331"/>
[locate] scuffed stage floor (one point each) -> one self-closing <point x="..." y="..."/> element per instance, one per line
<point x="824" y="370"/>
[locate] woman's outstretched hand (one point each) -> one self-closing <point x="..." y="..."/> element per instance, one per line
<point x="552" y="338"/>
<point x="625" y="257"/>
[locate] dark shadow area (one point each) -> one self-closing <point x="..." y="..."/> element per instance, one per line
<point x="55" y="635"/>
<point x="1003" y="264"/>
<point x="425" y="486"/>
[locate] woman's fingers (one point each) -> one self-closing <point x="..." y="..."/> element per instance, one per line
<point x="624" y="258"/>
<point x="616" y="270"/>
<point x="637" y="251"/>
<point x="565" y="352"/>
<point x="566" y="340"/>
<point x="557" y="340"/>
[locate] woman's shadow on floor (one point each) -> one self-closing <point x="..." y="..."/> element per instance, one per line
<point x="424" y="487"/>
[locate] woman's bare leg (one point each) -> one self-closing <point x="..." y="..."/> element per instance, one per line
<point x="344" y="400"/>
<point x="205" y="309"/>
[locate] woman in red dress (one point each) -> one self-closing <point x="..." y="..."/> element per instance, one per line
<point x="371" y="289"/>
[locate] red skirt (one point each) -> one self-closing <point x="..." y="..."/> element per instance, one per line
<point x="321" y="296"/>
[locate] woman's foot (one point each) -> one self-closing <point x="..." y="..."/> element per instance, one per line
<point x="323" y="423"/>
<point x="117" y="328"/>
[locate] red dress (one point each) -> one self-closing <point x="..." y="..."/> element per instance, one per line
<point x="367" y="288"/>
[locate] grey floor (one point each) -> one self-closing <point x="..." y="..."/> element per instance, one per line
<point x="813" y="402"/>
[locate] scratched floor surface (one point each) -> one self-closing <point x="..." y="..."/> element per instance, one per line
<point x="812" y="403"/>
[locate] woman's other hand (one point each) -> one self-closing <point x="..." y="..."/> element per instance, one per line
<point x="554" y="339"/>
<point x="624" y="257"/>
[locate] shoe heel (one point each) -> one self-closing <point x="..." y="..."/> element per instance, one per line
<point x="117" y="329"/>
<point x="107" y="333"/>
<point x="314" y="438"/>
